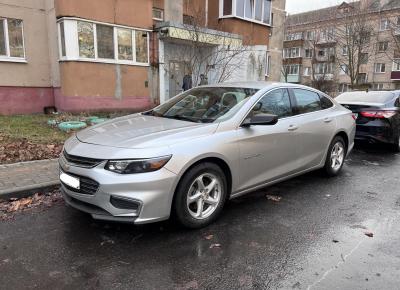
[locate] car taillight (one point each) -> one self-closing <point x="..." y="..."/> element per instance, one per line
<point x="354" y="116"/>
<point x="378" y="114"/>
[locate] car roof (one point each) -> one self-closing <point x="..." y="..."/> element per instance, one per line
<point x="373" y="97"/>
<point x="256" y="85"/>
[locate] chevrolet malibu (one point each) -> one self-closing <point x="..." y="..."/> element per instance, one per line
<point x="188" y="156"/>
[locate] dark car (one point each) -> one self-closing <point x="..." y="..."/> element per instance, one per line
<point x="378" y="116"/>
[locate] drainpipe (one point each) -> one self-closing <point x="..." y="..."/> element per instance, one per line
<point x="206" y="12"/>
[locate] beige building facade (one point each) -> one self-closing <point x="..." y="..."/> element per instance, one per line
<point x="312" y="47"/>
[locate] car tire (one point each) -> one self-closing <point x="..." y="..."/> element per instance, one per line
<point x="197" y="182"/>
<point x="335" y="158"/>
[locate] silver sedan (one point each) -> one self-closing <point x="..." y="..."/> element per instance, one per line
<point x="188" y="156"/>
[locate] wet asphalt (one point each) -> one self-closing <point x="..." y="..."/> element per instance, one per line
<point x="313" y="238"/>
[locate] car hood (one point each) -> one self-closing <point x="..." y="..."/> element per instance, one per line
<point x="141" y="131"/>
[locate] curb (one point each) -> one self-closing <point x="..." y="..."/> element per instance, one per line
<point x="29" y="190"/>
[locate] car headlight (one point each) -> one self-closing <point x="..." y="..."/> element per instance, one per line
<point x="136" y="165"/>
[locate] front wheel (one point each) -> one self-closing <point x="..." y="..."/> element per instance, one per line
<point x="200" y="196"/>
<point x="335" y="157"/>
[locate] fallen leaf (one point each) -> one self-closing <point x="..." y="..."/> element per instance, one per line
<point x="335" y="241"/>
<point x="273" y="197"/>
<point x="369" y="234"/>
<point x="215" y="246"/>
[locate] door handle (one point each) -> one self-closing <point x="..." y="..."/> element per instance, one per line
<point x="328" y="120"/>
<point x="293" y="128"/>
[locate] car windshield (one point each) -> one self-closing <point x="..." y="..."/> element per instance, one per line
<point x="205" y="104"/>
<point x="366" y="97"/>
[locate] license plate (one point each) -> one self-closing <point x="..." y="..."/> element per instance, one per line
<point x="70" y="180"/>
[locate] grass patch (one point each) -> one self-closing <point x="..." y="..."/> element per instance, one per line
<point x="31" y="127"/>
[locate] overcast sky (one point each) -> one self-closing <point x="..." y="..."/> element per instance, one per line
<point x="296" y="6"/>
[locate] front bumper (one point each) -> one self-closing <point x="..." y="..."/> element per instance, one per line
<point x="152" y="192"/>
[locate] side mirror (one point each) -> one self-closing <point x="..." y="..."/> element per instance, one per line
<point x="260" y="119"/>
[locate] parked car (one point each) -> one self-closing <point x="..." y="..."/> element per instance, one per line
<point x="212" y="143"/>
<point x="378" y="115"/>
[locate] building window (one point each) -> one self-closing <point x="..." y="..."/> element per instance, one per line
<point x="364" y="58"/>
<point x="345" y="50"/>
<point x="384" y="25"/>
<point x="344" y="69"/>
<point x="158" y="14"/>
<point x="307" y="71"/>
<point x="253" y="10"/>
<point x="383" y="46"/>
<point x="292" y="69"/>
<point x="141" y="47"/>
<point x="102" y="42"/>
<point x="396" y="64"/>
<point x="343" y="88"/>
<point x="362" y="78"/>
<point x="11" y="39"/>
<point x="377" y="87"/>
<point x="62" y="40"/>
<point x="86" y="39"/>
<point x="310" y="35"/>
<point x="268" y="66"/>
<point x="309" y="53"/>
<point x="292" y="52"/>
<point x="124" y="44"/>
<point x="323" y="68"/>
<point x="105" y="41"/>
<point x="294" y="36"/>
<point x="322" y="53"/>
<point x="380" y="68"/>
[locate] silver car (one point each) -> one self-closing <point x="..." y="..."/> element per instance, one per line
<point x="188" y="156"/>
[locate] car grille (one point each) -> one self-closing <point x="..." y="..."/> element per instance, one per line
<point x="81" y="161"/>
<point x="87" y="186"/>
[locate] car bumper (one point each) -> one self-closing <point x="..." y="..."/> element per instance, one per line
<point x="135" y="198"/>
<point x="377" y="132"/>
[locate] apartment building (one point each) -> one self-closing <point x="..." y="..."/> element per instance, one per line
<point x="82" y="55"/>
<point x="315" y="53"/>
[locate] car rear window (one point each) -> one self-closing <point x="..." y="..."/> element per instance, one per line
<point x="366" y="97"/>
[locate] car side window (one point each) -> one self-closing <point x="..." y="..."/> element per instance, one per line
<point x="325" y="102"/>
<point x="307" y="101"/>
<point x="276" y="102"/>
<point x="397" y="103"/>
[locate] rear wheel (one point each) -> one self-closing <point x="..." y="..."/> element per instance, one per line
<point x="200" y="196"/>
<point x="335" y="157"/>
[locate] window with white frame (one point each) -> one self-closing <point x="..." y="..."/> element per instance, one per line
<point x="252" y="10"/>
<point x="308" y="52"/>
<point x="11" y="39"/>
<point x="323" y="68"/>
<point x="377" y="87"/>
<point x="380" y="68"/>
<point x="292" y="69"/>
<point x="294" y="36"/>
<point x="268" y="66"/>
<point x="345" y="50"/>
<point x="383" y="46"/>
<point x="344" y="69"/>
<point x="343" y="88"/>
<point x="158" y="14"/>
<point x="307" y="71"/>
<point x="310" y="35"/>
<point x="396" y="64"/>
<point x="291" y="52"/>
<point x="384" y="25"/>
<point x="102" y="42"/>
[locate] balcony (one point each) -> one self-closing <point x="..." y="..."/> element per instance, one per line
<point x="395" y="76"/>
<point x="291" y="78"/>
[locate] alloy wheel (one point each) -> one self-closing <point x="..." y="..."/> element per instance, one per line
<point x="204" y="196"/>
<point x="337" y="156"/>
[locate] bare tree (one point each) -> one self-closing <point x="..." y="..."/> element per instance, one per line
<point x="208" y="50"/>
<point x="353" y="36"/>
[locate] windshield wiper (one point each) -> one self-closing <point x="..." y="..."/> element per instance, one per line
<point x="182" y="118"/>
